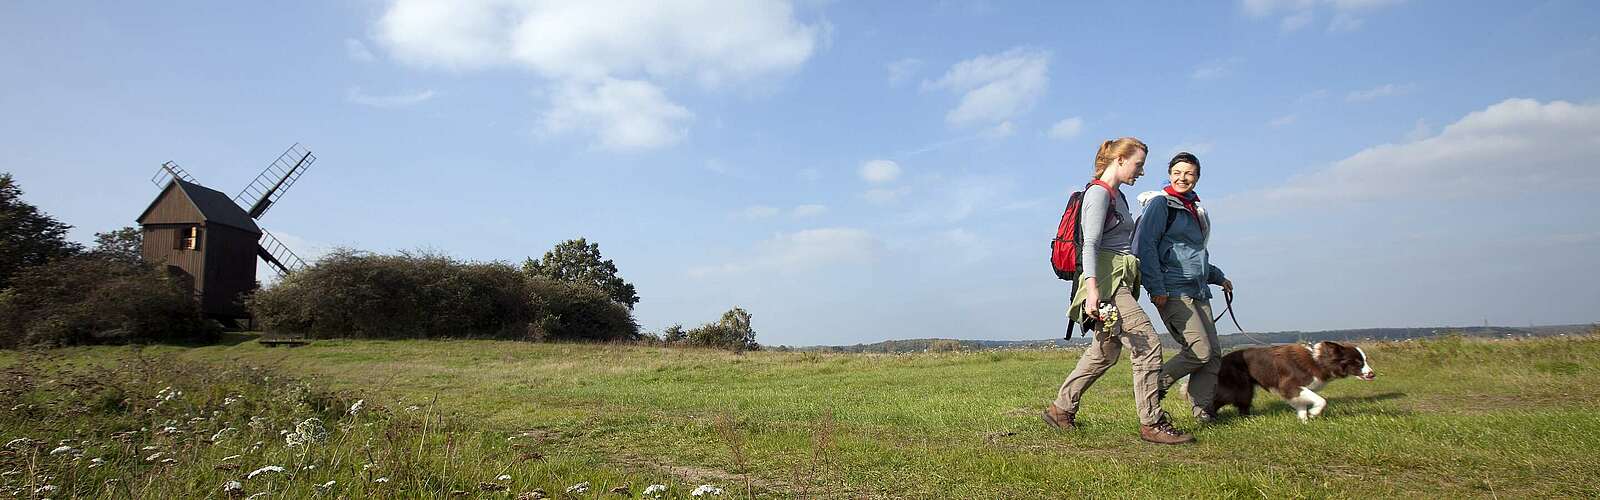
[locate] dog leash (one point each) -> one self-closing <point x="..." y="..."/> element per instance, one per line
<point x="1228" y="297"/>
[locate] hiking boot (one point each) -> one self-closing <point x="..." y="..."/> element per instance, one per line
<point x="1163" y="433"/>
<point x="1061" y="419"/>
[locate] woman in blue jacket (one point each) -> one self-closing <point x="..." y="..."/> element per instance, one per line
<point x="1176" y="270"/>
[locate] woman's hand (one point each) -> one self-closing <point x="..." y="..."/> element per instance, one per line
<point x="1159" y="300"/>
<point x="1091" y="306"/>
<point x="1227" y="285"/>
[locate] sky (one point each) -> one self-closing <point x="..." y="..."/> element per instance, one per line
<point x="851" y="172"/>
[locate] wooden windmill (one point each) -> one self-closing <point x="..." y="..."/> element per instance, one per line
<point x="210" y="242"/>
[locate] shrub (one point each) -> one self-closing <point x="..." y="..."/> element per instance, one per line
<point x="86" y="300"/>
<point x="733" y="332"/>
<point x="411" y="295"/>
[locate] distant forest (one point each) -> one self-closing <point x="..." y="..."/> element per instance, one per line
<point x="1229" y="341"/>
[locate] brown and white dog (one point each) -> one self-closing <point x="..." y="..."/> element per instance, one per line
<point x="1294" y="372"/>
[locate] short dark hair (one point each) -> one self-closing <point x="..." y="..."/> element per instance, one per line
<point x="1184" y="157"/>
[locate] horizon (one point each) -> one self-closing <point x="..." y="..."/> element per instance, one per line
<point x="844" y="170"/>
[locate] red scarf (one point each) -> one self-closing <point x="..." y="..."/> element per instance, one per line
<point x="1189" y="204"/>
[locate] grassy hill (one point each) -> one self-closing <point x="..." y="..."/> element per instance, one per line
<point x="1450" y="417"/>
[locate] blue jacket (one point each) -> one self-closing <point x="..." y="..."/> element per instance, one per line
<point x="1173" y="261"/>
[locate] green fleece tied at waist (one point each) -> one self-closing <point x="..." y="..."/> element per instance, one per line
<point x="1124" y="272"/>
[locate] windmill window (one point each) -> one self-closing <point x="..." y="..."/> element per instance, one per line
<point x="188" y="238"/>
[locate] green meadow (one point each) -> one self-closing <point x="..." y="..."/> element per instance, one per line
<point x="1448" y="417"/>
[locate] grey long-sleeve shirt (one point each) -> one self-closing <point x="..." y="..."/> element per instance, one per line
<point x="1115" y="234"/>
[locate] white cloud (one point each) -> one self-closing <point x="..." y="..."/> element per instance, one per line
<point x="357" y="51"/>
<point x="1283" y="121"/>
<point x="1517" y="144"/>
<point x="757" y="212"/>
<point x="1344" y="23"/>
<point x="902" y="70"/>
<point x="590" y="48"/>
<point x="624" y="114"/>
<point x="1215" y="69"/>
<point x="1299" y="13"/>
<point x="802" y="251"/>
<point x="356" y="95"/>
<point x="1419" y="131"/>
<point x="884" y="196"/>
<point x="1067" y="129"/>
<point x="710" y="41"/>
<point x="1294" y="22"/>
<point x="809" y="211"/>
<point x="880" y="171"/>
<point x="995" y="88"/>
<point x="1000" y="130"/>
<point x="1385" y="90"/>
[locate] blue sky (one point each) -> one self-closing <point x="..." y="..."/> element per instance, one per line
<point x="857" y="171"/>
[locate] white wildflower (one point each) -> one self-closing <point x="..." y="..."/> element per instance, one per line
<point x="368" y="466"/>
<point x="308" y="431"/>
<point x="229" y="457"/>
<point x="63" y="449"/>
<point x="413" y="408"/>
<point x="263" y="470"/>
<point x="309" y="467"/>
<point x="148" y="448"/>
<point x="153" y="457"/>
<point x="327" y="485"/>
<point x="355" y="408"/>
<point x="503" y="477"/>
<point x="169" y="460"/>
<point x="655" y="490"/>
<point x="46" y="488"/>
<point x="231" y="400"/>
<point x="18" y="443"/>
<point x="582" y="487"/>
<point x="381" y="480"/>
<point x="232" y="487"/>
<point x="222" y="433"/>
<point x="706" y="489"/>
<point x="96" y="462"/>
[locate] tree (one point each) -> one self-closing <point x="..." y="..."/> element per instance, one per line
<point x="578" y="261"/>
<point x="122" y="245"/>
<point x="28" y="237"/>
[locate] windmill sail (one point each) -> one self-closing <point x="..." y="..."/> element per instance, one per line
<point x="275" y="253"/>
<point x="270" y="185"/>
<point x="168" y="172"/>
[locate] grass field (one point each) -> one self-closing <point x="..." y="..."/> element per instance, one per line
<point x="1446" y="418"/>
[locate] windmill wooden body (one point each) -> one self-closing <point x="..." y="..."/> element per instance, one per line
<point x="209" y="242"/>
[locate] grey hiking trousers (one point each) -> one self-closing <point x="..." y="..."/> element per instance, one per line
<point x="1135" y="333"/>
<point x="1189" y="322"/>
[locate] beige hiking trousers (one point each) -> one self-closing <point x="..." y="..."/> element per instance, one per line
<point x="1135" y="333"/>
<point x="1189" y="322"/>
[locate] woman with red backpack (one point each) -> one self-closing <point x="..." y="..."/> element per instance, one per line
<point x="1171" y="247"/>
<point x="1109" y="281"/>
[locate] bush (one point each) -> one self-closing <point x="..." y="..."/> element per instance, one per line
<point x="87" y="300"/>
<point x="361" y="295"/>
<point x="733" y="332"/>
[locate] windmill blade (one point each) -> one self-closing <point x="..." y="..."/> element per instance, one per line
<point x="168" y="172"/>
<point x="273" y="181"/>
<point x="278" y="255"/>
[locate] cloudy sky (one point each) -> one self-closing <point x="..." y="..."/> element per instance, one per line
<point x="857" y="171"/>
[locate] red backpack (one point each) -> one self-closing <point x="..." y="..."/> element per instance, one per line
<point x="1067" y="246"/>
